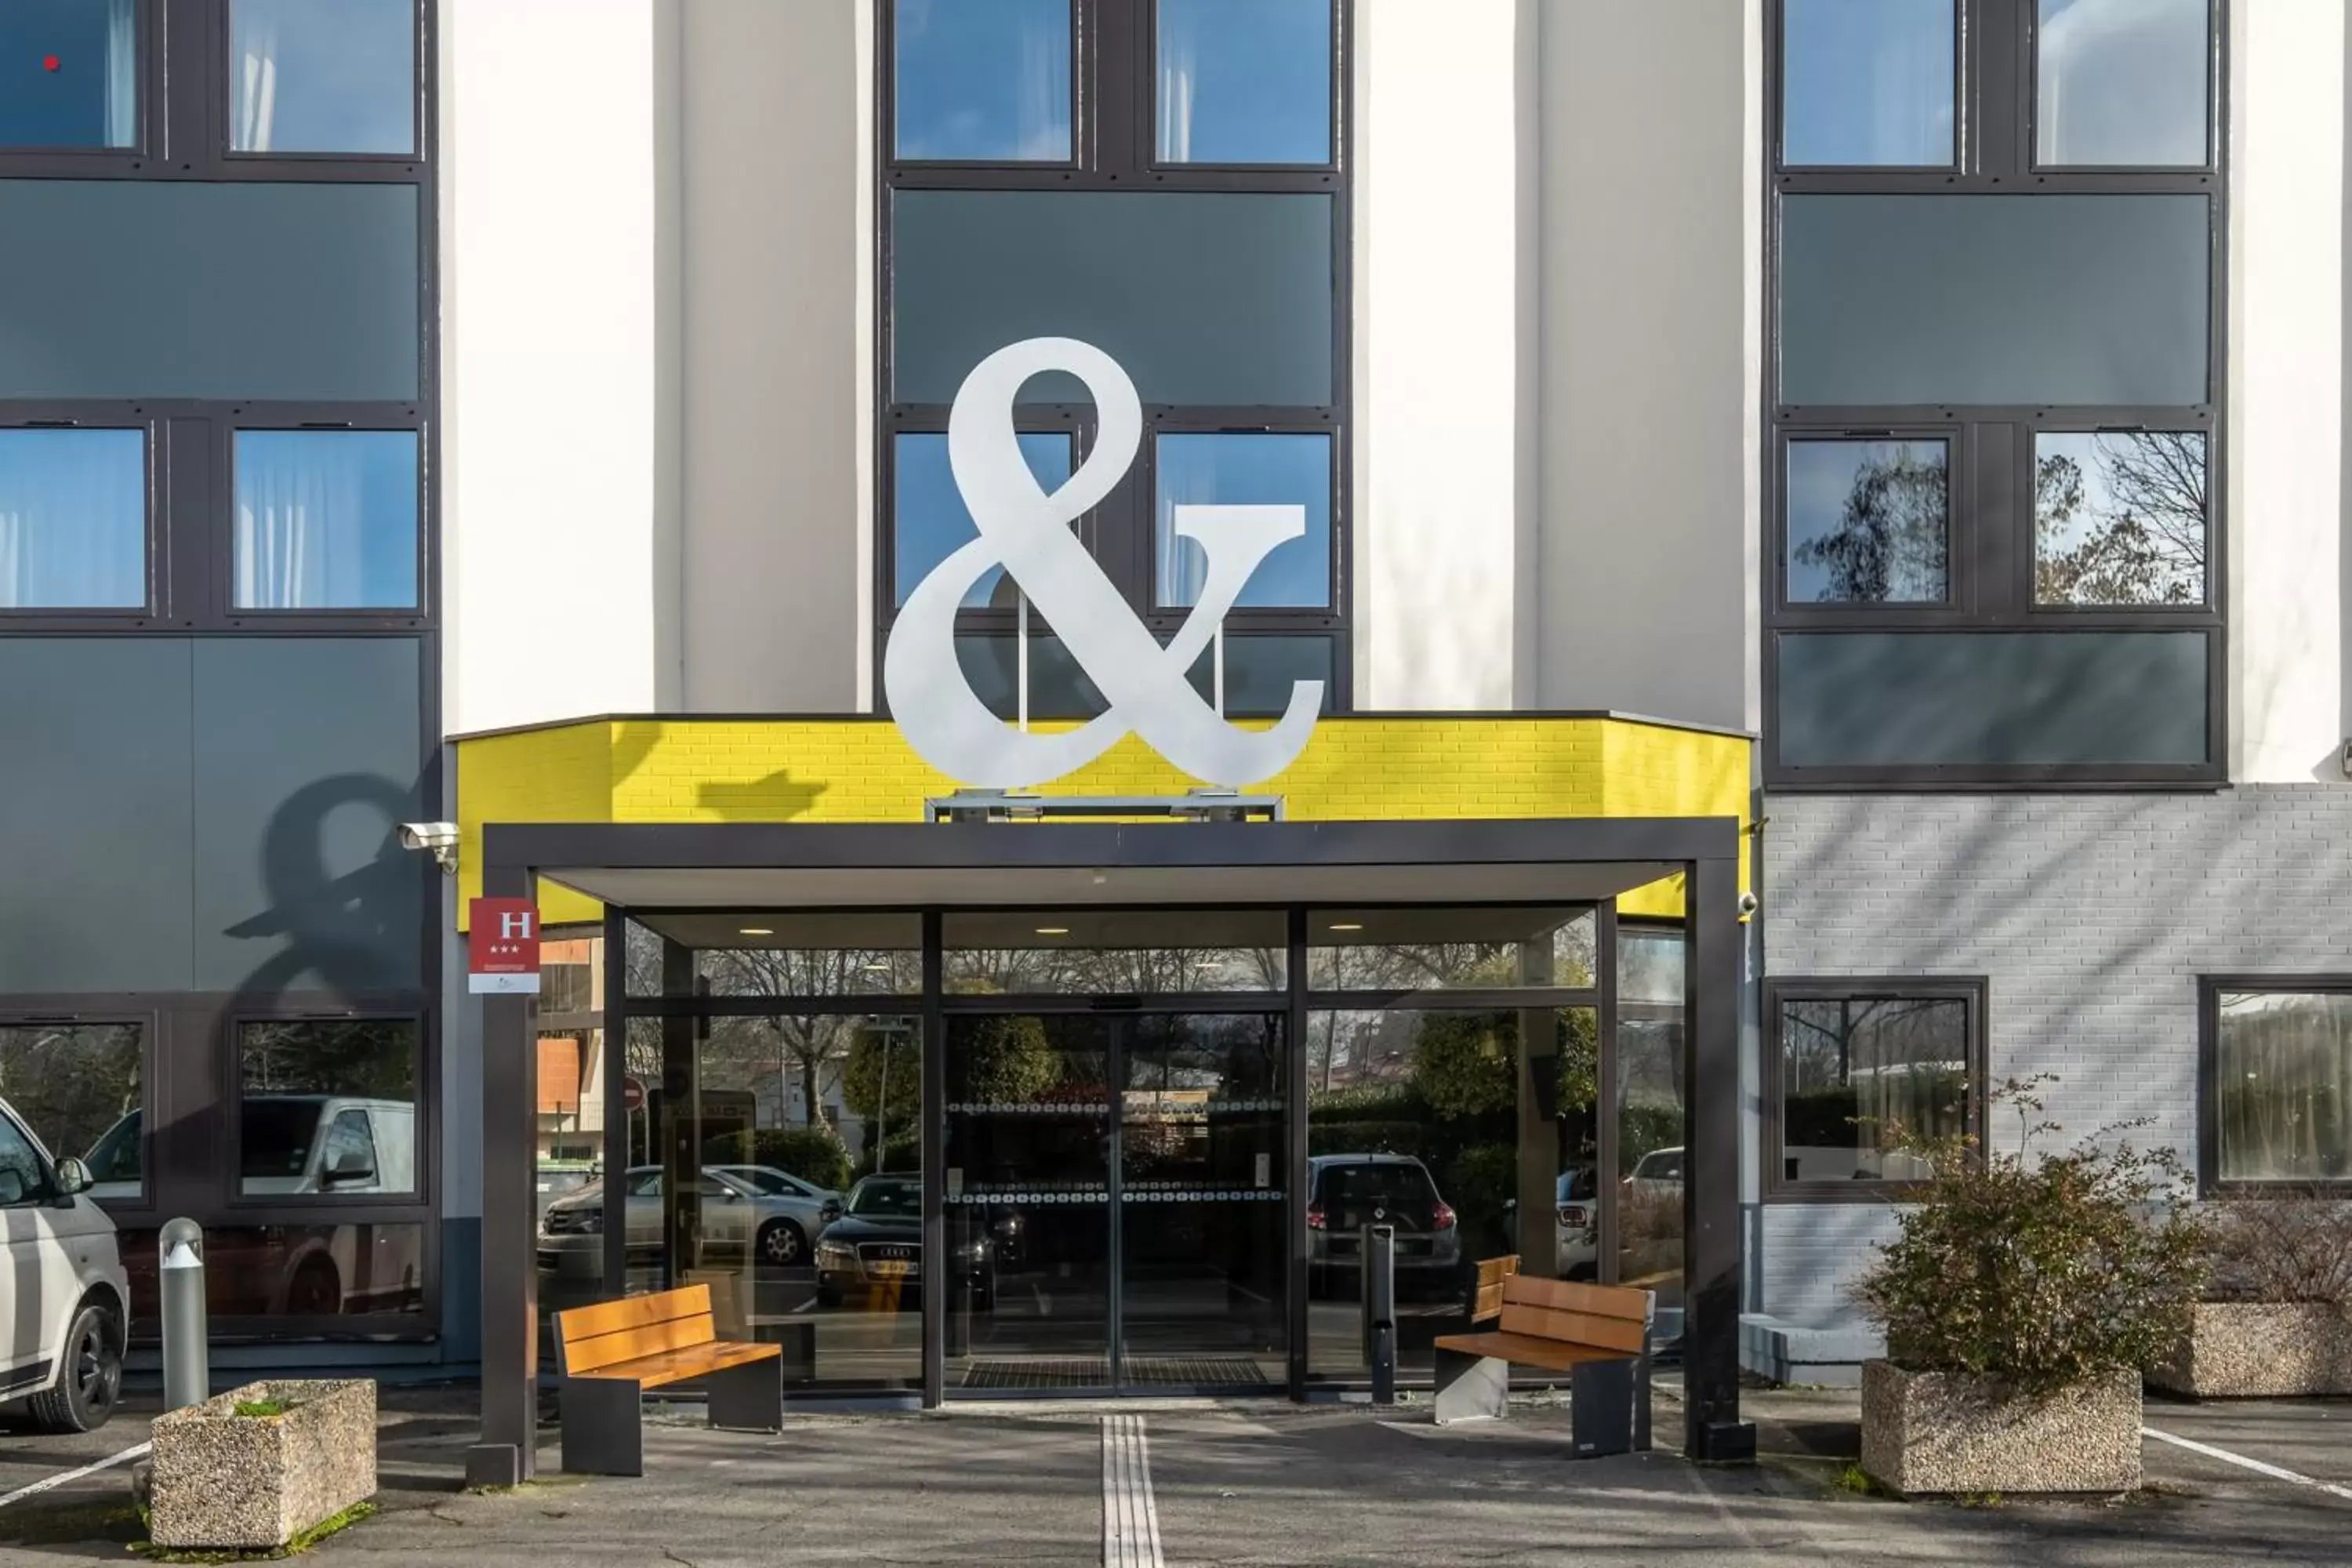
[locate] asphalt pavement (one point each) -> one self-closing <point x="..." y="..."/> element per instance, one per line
<point x="1257" y="1483"/>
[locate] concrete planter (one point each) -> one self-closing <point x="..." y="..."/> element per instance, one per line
<point x="2247" y="1350"/>
<point x="222" y="1481"/>
<point x="1924" y="1433"/>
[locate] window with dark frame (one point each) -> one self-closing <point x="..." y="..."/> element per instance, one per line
<point x="2276" y="1059"/>
<point x="1995" y="394"/>
<point x="328" y="1107"/>
<point x="1855" y="1067"/>
<point x="1165" y="182"/>
<point x="79" y="1086"/>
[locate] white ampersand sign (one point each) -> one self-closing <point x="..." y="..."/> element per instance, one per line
<point x="1026" y="530"/>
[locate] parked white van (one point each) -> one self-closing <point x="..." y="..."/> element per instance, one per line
<point x="62" y="1292"/>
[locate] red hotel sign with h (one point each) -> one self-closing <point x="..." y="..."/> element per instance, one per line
<point x="502" y="947"/>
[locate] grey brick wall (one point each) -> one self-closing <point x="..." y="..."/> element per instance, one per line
<point x="2091" y="917"/>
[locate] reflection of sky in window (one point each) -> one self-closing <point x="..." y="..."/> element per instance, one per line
<point x="1245" y="81"/>
<point x="1868" y="83"/>
<point x="326" y="520"/>
<point x="1821" y="475"/>
<point x="2154" y="486"/>
<point x="69" y="73"/>
<point x="932" y="523"/>
<point x="984" y="80"/>
<point x="2121" y="82"/>
<point x="322" y="76"/>
<point x="73" y="519"/>
<point x="1247" y="470"/>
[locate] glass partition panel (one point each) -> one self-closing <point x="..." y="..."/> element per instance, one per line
<point x="1470" y="1133"/>
<point x="750" y="952"/>
<point x="1116" y="951"/>
<point x="322" y="76"/>
<point x="1028" y="1193"/>
<point x="1650" y="1113"/>
<point x="1491" y="948"/>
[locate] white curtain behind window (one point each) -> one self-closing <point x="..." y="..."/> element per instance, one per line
<point x="72" y="520"/>
<point x="252" y="51"/>
<point x="302" y="517"/>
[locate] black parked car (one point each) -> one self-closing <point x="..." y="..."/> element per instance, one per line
<point x="878" y="1242"/>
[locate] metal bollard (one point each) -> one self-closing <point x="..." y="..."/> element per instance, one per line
<point x="1377" y="1248"/>
<point x="187" y="1360"/>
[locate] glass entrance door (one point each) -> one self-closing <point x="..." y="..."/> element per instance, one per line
<point x="1113" y="1200"/>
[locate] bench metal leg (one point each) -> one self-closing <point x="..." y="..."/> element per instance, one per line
<point x="748" y="1398"/>
<point x="1642" y="1406"/>
<point x="603" y="1431"/>
<point x="1470" y="1387"/>
<point x="1601" y="1405"/>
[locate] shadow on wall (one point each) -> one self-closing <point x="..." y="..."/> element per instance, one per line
<point x="354" y="932"/>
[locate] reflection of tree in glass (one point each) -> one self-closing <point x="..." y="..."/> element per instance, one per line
<point x="2286" y="1087"/>
<point x="2129" y="532"/>
<point x="364" y="1058"/>
<point x="804" y="1045"/>
<point x="71" y="1083"/>
<point x="1889" y="542"/>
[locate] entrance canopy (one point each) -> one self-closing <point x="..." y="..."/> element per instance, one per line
<point x="681" y="877"/>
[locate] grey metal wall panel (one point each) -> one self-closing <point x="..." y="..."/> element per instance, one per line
<point x="308" y="753"/>
<point x="1909" y="699"/>
<point x="156" y="288"/>
<point x="1207" y="297"/>
<point x="1991" y="300"/>
<point x="94" y="813"/>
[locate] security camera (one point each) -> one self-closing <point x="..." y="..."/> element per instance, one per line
<point x="439" y="840"/>
<point x="1748" y="905"/>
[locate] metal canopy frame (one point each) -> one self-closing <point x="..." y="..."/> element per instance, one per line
<point x="1706" y="850"/>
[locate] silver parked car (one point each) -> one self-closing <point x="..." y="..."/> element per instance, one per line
<point x="773" y="1214"/>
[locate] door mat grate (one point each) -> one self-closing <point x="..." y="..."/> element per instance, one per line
<point x="1094" y="1372"/>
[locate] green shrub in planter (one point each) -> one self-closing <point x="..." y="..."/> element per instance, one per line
<point x="2039" y="1272"/>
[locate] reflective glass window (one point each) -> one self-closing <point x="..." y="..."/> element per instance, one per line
<point x="1856" y="1071"/>
<point x="983" y="80"/>
<point x="1243" y="82"/>
<point x="322" y="76"/>
<point x="2122" y="82"/>
<point x="2283" y="1070"/>
<point x="932" y="521"/>
<point x="1868" y="83"/>
<point x="291" y="1271"/>
<point x="1000" y="671"/>
<point x="2119" y="518"/>
<point x="326" y="520"/>
<point x="70" y="73"/>
<point x="78" y="1087"/>
<point x="1497" y="947"/>
<point x="1869" y="523"/>
<point x="327" y="1107"/>
<point x="1261" y="670"/>
<point x="1124" y="953"/>
<point x="73" y="519"/>
<point x="1254" y="469"/>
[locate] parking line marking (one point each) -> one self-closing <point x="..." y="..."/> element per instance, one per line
<point x="2274" y="1471"/>
<point x="57" y="1480"/>
<point x="1131" y="1517"/>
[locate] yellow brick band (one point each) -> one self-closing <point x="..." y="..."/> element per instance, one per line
<point x="1393" y="768"/>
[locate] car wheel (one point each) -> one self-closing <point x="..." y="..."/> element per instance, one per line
<point x="92" y="1380"/>
<point x="782" y="1245"/>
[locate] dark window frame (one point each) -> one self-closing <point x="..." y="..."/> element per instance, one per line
<point x="183" y="114"/>
<point x="355" y="419"/>
<point x="154" y="569"/>
<point x="2211" y="1182"/>
<point x="1114" y="81"/>
<point x="1990" y="533"/>
<point x="1974" y="991"/>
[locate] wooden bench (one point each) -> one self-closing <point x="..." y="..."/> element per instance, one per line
<point x="612" y="1352"/>
<point x="1597" y="1334"/>
<point x="1487" y="1295"/>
